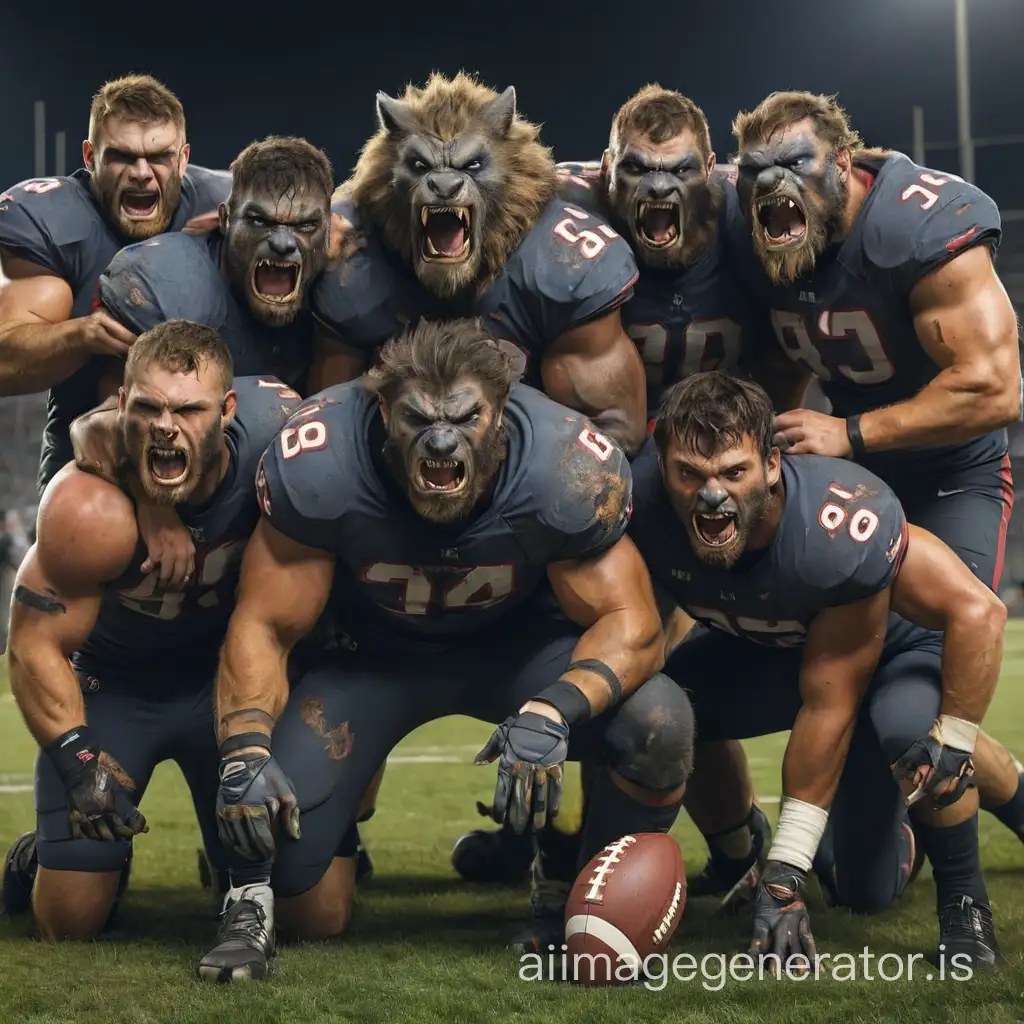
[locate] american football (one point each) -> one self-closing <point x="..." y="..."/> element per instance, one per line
<point x="625" y="905"/>
<point x="494" y="498"/>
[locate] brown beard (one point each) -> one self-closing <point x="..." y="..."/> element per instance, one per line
<point x="170" y="196"/>
<point x="445" y="109"/>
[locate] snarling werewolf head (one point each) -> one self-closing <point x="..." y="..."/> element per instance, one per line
<point x="453" y="180"/>
<point x="795" y="161"/>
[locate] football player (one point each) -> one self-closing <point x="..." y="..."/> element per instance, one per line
<point x="112" y="676"/>
<point x="452" y="211"/>
<point x="879" y="277"/>
<point x="58" y="234"/>
<point x="800" y="568"/>
<point x="473" y="539"/>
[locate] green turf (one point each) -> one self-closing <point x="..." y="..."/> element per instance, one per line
<point x="424" y="947"/>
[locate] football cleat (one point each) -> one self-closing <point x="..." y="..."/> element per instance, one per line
<point x="967" y="931"/>
<point x="495" y="856"/>
<point x="726" y="877"/>
<point x="19" y="875"/>
<point x="245" y="939"/>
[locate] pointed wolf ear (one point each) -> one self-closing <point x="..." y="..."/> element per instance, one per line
<point x="500" y="112"/>
<point x="393" y="115"/>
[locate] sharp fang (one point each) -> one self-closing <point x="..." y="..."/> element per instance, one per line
<point x="791" y="203"/>
<point x="424" y="213"/>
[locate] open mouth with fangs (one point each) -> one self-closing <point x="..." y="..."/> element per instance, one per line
<point x="715" y="529"/>
<point x="446" y="476"/>
<point x="167" y="466"/>
<point x="139" y="204"/>
<point x="782" y="220"/>
<point x="658" y="223"/>
<point x="445" y="233"/>
<point x="276" y="280"/>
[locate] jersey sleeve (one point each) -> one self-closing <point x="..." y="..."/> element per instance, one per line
<point x="265" y="404"/>
<point x="164" y="278"/>
<point x="921" y="219"/>
<point x="860" y="539"/>
<point x="591" y="509"/>
<point x="579" y="183"/>
<point x="42" y="217"/>
<point x="301" y="481"/>
<point x="572" y="268"/>
<point x="211" y="188"/>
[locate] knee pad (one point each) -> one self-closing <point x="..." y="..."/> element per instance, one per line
<point x="650" y="739"/>
<point x="58" y="851"/>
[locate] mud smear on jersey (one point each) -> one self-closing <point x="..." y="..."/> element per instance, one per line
<point x="587" y="480"/>
<point x="338" y="740"/>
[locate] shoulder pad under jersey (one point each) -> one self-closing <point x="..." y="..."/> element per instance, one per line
<point x="164" y="278"/>
<point x="354" y="295"/>
<point x="579" y="182"/>
<point x="917" y="219"/>
<point x="853" y="529"/>
<point x="311" y="467"/>
<point x="265" y="404"/>
<point x="578" y="477"/>
<point x="39" y="217"/>
<point x="210" y="189"/>
<point x="571" y="267"/>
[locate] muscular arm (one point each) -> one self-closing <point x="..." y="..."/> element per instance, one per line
<point x="843" y="646"/>
<point x="334" y="362"/>
<point x="596" y="369"/>
<point x="283" y="589"/>
<point x="86" y="538"/>
<point x="94" y="440"/>
<point x="612" y="598"/>
<point x="966" y="324"/>
<point x="39" y="345"/>
<point x="936" y="590"/>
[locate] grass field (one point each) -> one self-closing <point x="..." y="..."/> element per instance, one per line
<point x="425" y="947"/>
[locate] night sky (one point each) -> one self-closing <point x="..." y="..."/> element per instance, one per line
<point x="315" y="74"/>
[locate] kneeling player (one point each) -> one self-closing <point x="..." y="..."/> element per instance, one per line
<point x="473" y="540"/>
<point x="111" y="676"/>
<point x="802" y="567"/>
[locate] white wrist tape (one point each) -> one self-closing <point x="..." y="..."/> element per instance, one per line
<point x="957" y="732"/>
<point x="798" y="833"/>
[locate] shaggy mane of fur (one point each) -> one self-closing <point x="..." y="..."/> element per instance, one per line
<point x="444" y="109"/>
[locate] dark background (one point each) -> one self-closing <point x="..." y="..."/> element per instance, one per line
<point x="245" y="71"/>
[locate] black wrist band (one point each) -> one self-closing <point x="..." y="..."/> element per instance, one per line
<point x="244" y="739"/>
<point x="601" y="669"/>
<point x="72" y="752"/>
<point x="855" y="437"/>
<point x="568" y="700"/>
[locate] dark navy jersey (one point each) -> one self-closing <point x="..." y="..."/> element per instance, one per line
<point x="561" y="493"/>
<point x="57" y="224"/>
<point x="137" y="626"/>
<point x="841" y="538"/>
<point x="569" y="268"/>
<point x="177" y="275"/>
<point x="688" y="320"/>
<point x="850" y="322"/>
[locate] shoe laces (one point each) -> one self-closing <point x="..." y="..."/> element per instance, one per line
<point x="243" y="920"/>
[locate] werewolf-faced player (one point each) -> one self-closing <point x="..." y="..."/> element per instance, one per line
<point x="452" y="212"/>
<point x="111" y="675"/>
<point x="880" y="280"/>
<point x="479" y="565"/>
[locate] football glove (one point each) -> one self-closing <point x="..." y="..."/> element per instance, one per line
<point x="530" y="749"/>
<point x="98" y="806"/>
<point x="929" y="764"/>
<point x="781" y="923"/>
<point x="253" y="793"/>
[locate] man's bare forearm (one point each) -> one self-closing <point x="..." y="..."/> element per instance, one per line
<point x="630" y="644"/>
<point x="36" y="356"/>
<point x="46" y="690"/>
<point x="252" y="680"/>
<point x="951" y="408"/>
<point x="815" y="755"/>
<point x="972" y="655"/>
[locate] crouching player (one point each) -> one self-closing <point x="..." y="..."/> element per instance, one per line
<point x="801" y="568"/>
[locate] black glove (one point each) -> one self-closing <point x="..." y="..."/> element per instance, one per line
<point x="531" y="749"/>
<point x="98" y="805"/>
<point x="253" y="791"/>
<point x="781" y="923"/>
<point x="929" y="764"/>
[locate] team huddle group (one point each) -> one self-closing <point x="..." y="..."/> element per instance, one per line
<point x="478" y="433"/>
